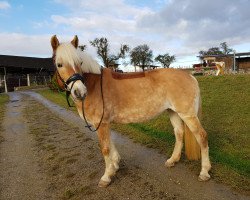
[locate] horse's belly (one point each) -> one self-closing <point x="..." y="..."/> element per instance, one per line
<point x="137" y="114"/>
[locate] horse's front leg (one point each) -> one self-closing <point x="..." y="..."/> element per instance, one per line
<point x="110" y="154"/>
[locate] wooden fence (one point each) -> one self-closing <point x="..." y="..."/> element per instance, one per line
<point x="9" y="82"/>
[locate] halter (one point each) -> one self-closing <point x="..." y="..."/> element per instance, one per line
<point x="77" y="77"/>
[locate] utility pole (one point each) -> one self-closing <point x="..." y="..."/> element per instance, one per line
<point x="234" y="63"/>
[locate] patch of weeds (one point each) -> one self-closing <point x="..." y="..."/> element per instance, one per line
<point x="70" y="175"/>
<point x="93" y="175"/>
<point x="69" y="193"/>
<point x="61" y="159"/>
<point x="1" y="139"/>
<point x="71" y="161"/>
<point x="51" y="157"/>
<point x="50" y="147"/>
<point x="79" y="135"/>
<point x="87" y="139"/>
<point x="90" y="156"/>
<point x="40" y="139"/>
<point x="55" y="167"/>
<point x="75" y="154"/>
<point x="87" y="190"/>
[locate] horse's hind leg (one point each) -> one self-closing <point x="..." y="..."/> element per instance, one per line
<point x="200" y="134"/>
<point x="177" y="123"/>
<point x="110" y="154"/>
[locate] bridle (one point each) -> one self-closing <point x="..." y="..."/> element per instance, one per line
<point x="77" y="77"/>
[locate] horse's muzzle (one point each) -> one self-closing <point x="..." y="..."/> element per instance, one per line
<point x="78" y="95"/>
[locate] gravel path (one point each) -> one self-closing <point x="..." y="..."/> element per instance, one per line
<point x="48" y="154"/>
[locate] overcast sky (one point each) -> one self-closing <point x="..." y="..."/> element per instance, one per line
<point x="179" y="27"/>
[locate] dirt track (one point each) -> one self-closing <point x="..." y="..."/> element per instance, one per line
<point x="48" y="154"/>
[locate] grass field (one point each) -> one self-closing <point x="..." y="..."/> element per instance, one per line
<point x="226" y="118"/>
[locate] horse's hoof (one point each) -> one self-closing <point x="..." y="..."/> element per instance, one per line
<point x="204" y="177"/>
<point x="103" y="184"/>
<point x="169" y="163"/>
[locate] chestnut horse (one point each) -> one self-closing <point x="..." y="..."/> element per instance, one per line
<point x="101" y="99"/>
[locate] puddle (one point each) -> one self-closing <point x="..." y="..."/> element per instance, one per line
<point x="16" y="106"/>
<point x="13" y="101"/>
<point x="14" y="114"/>
<point x="18" y="128"/>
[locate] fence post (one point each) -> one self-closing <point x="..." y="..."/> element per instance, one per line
<point x="45" y="82"/>
<point x="5" y="84"/>
<point x="28" y="80"/>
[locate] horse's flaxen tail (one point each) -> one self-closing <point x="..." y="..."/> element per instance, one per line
<point x="192" y="148"/>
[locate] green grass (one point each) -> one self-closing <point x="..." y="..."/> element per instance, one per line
<point x="57" y="97"/>
<point x="4" y="98"/>
<point x="226" y="118"/>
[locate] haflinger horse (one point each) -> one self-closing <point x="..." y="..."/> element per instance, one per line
<point x="102" y="97"/>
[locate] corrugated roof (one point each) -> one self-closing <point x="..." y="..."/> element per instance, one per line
<point x="26" y="62"/>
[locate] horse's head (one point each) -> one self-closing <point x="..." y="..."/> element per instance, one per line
<point x="68" y="65"/>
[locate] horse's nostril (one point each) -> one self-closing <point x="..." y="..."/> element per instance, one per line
<point x="77" y="94"/>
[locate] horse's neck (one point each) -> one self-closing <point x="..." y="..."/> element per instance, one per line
<point x="91" y="81"/>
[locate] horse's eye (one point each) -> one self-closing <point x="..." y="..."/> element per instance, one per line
<point x="59" y="65"/>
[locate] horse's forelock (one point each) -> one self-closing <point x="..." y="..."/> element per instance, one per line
<point x="67" y="54"/>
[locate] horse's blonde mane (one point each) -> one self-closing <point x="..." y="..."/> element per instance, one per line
<point x="67" y="53"/>
<point x="89" y="65"/>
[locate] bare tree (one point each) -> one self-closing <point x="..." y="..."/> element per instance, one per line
<point x="211" y="51"/>
<point x="225" y="49"/>
<point x="222" y="50"/>
<point x="103" y="51"/>
<point x="141" y="56"/>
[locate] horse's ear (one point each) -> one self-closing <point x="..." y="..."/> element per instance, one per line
<point x="54" y="42"/>
<point x="75" y="41"/>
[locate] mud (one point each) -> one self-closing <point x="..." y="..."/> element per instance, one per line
<point x="48" y="154"/>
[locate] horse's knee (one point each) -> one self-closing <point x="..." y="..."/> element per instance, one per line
<point x="105" y="151"/>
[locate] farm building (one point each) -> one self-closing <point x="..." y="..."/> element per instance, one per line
<point x="23" y="71"/>
<point x="237" y="61"/>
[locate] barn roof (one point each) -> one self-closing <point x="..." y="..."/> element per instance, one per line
<point x="26" y="62"/>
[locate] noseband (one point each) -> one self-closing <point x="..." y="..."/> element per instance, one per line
<point x="75" y="77"/>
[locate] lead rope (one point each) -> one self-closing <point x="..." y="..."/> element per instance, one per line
<point x="83" y="113"/>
